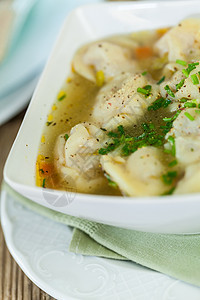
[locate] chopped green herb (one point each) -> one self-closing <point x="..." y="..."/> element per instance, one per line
<point x="180" y="84"/>
<point x="169" y="122"/>
<point x="189" y="116"/>
<point x="195" y="79"/>
<point x="185" y="72"/>
<point x="66" y="136"/>
<point x="197" y="111"/>
<point x="182" y="100"/>
<point x="181" y="62"/>
<point x="167" y="119"/>
<point x="161" y="80"/>
<point x="41" y="170"/>
<point x="43" y="183"/>
<point x="189" y="69"/>
<point x="146" y="90"/>
<point x="48" y="123"/>
<point x="169" y="177"/>
<point x="110" y="182"/>
<point x="190" y="104"/>
<point x="169" y="91"/>
<point x="144" y="73"/>
<point x="161" y="102"/>
<point x="171" y="140"/>
<point x="173" y="163"/>
<point x="170" y="192"/>
<point x="120" y="129"/>
<point x="103" y="129"/>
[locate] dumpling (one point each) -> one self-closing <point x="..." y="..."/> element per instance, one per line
<point x="188" y="90"/>
<point x="77" y="160"/>
<point x="118" y="102"/>
<point x="138" y="175"/>
<point x="104" y="56"/>
<point x="181" y="42"/>
<point x="190" y="181"/>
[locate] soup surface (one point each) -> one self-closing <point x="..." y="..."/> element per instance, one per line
<point x="127" y="119"/>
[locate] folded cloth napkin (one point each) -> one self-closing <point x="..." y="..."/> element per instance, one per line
<point x="174" y="255"/>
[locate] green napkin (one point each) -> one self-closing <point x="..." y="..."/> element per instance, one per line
<point x="174" y="255"/>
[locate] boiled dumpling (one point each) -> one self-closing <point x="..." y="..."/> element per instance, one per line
<point x="138" y="175"/>
<point x="181" y="42"/>
<point x="77" y="159"/>
<point x="188" y="90"/>
<point x="118" y="102"/>
<point x="104" y="56"/>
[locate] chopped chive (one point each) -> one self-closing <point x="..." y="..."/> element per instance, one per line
<point x="144" y="73"/>
<point x="167" y="119"/>
<point x="103" y="129"/>
<point x="190" y="104"/>
<point x="195" y="79"/>
<point x="120" y="128"/>
<point x="173" y="163"/>
<point x="110" y="182"/>
<point x="66" y="136"/>
<point x="145" y="90"/>
<point x="182" y="100"/>
<point x="170" y="192"/>
<point x="180" y="84"/>
<point x="158" y="103"/>
<point x="169" y="91"/>
<point x="48" y="123"/>
<point x="191" y="118"/>
<point x="172" y="142"/>
<point x="41" y="170"/>
<point x="61" y="96"/>
<point x="169" y="177"/>
<point x="189" y="69"/>
<point x="181" y="62"/>
<point x="185" y="72"/>
<point x="43" y="183"/>
<point x="142" y="91"/>
<point x="161" y="80"/>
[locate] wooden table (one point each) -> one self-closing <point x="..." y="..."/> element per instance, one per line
<point x="14" y="285"/>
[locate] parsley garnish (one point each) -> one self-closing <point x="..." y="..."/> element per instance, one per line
<point x="190" y="104"/>
<point x="110" y="182"/>
<point x="146" y="90"/>
<point x="161" y="80"/>
<point x="181" y="62"/>
<point x="161" y="102"/>
<point x="169" y="91"/>
<point x="169" y="177"/>
<point x="189" y="116"/>
<point x="43" y="183"/>
<point x="173" y="163"/>
<point x="180" y="84"/>
<point x="170" y="192"/>
<point x="195" y="79"/>
<point x="66" y="136"/>
<point x="189" y="69"/>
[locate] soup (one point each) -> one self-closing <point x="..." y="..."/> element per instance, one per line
<point x="127" y="119"/>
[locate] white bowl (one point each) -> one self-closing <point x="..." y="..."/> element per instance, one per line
<point x="169" y="214"/>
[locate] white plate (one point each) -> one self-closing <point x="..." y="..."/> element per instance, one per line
<point x="170" y="214"/>
<point x="40" y="245"/>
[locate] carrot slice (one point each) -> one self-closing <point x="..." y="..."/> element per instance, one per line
<point x="143" y="52"/>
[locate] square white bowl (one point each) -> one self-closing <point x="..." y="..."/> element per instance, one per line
<point x="170" y="214"/>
